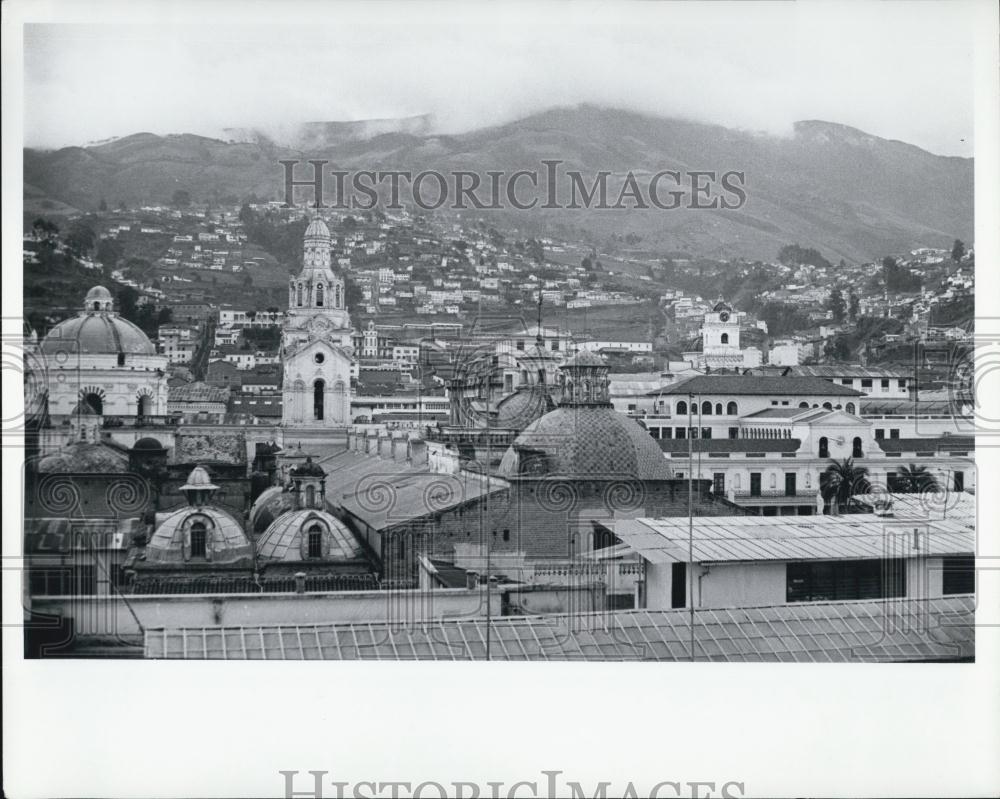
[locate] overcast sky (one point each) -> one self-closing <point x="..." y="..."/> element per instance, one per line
<point x="894" y="69"/>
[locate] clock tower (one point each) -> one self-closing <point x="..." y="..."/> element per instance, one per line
<point x="720" y="337"/>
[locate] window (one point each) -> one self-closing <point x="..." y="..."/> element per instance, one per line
<point x="298" y="295"/>
<point x="310" y="496"/>
<point x="318" y="388"/>
<point x="824" y="447"/>
<point x="725" y="338"/>
<point x="121" y="358"/>
<point x="879" y="434"/>
<point x="866" y="382"/>
<point x="789" y="485"/>
<point x="555" y="346"/>
<point x="827" y="406"/>
<point x="901" y="384"/>
<point x="734" y="432"/>
<point x="706" y="408"/>
<point x="682" y="408"/>
<point x="520" y="346"/>
<point x="803" y="404"/>
<point x="654" y="432"/>
<point x="885" y="385"/>
<point x="678" y="585"/>
<point x="719" y="483"/>
<point x="958" y="576"/>
<point x="755" y="484"/>
<point x="731" y="408"/>
<point x="847" y="381"/>
<point x="718" y="409"/>
<point x="958" y="481"/>
<point x="846" y="579"/>
<point x="856" y="451"/>
<point x="849" y="407"/>
<point x="667" y="432"/>
<point x="199" y="540"/>
<point x="319" y="357"/>
<point x="319" y="295"/>
<point x="894" y="433"/>
<point x="315" y="541"/>
<point x="506" y="534"/>
<point x="680" y="432"/>
<point x="706" y="432"/>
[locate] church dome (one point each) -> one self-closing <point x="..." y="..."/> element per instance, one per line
<point x="516" y="411"/>
<point x="89" y="458"/>
<point x="287" y="539"/>
<point x="271" y="504"/>
<point x="585" y="443"/>
<point x="225" y="541"/>
<point x="317" y="229"/>
<point x="98" y="332"/>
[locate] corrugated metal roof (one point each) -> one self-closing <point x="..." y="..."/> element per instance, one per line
<point x="866" y="631"/>
<point x="850" y="370"/>
<point x="721" y="539"/>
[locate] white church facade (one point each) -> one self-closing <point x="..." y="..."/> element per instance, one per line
<point x="316" y="352"/>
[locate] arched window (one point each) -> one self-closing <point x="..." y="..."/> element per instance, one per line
<point x="856" y="451"/>
<point x="682" y="408"/>
<point x="319" y="295"/>
<point x="849" y="407"/>
<point x="706" y="408"/>
<point x="803" y="404"/>
<point x="827" y="406"/>
<point x="318" y="388"/>
<point x="199" y="540"/>
<point x="95" y="401"/>
<point x="310" y="496"/>
<point x="731" y="408"/>
<point x="315" y="541"/>
<point x="143" y="405"/>
<point x="718" y="409"/>
<point x="298" y="295"/>
<point x="824" y="447"/>
<point x="725" y="338"/>
<point x="338" y="299"/>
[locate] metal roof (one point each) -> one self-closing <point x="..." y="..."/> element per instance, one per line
<point x="721" y="539"/>
<point x="865" y="631"/>
<point x="680" y="445"/>
<point x="850" y="370"/>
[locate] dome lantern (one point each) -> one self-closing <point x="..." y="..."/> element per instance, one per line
<point x="585" y="381"/>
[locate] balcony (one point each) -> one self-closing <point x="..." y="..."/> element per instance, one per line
<point x="776" y="493"/>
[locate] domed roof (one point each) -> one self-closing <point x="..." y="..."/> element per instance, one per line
<point x="516" y="411"/>
<point x="586" y="442"/>
<point x="97" y="333"/>
<point x="87" y="458"/>
<point x="287" y="538"/>
<point x="198" y="479"/>
<point x="308" y="469"/>
<point x="98" y="294"/>
<point x="148" y="444"/>
<point x="317" y="229"/>
<point x="585" y="358"/>
<point x="225" y="541"/>
<point x="269" y="505"/>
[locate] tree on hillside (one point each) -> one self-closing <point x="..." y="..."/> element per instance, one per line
<point x="793" y="255"/>
<point x="109" y="253"/>
<point x="853" y="306"/>
<point x="957" y="250"/>
<point x="44" y="229"/>
<point x="838" y="348"/>
<point x="836" y="305"/>
<point x="80" y="238"/>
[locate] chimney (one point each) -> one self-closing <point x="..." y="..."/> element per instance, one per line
<point x="471" y="579"/>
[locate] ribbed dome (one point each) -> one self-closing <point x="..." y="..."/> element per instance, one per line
<point x="287" y="539"/>
<point x="271" y="503"/>
<point x="317" y="229"/>
<point x="97" y="333"/>
<point x="586" y="442"/>
<point x="86" y="458"/>
<point x="516" y="411"/>
<point x="225" y="541"/>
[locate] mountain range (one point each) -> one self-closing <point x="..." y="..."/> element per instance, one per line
<point x="847" y="193"/>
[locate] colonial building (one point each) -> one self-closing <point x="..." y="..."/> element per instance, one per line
<point x="316" y="350"/>
<point x="105" y="360"/>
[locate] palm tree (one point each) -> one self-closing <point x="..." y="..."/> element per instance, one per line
<point x="841" y="481"/>
<point x="915" y="479"/>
